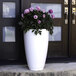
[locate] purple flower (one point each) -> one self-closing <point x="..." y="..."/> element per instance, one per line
<point x="26" y="11"/>
<point x="53" y="16"/>
<point x="35" y="16"/>
<point x="39" y="21"/>
<point x="43" y="15"/>
<point x="43" y="10"/>
<point x="22" y="15"/>
<point x="50" y="11"/>
<point x="31" y="9"/>
<point x="38" y="8"/>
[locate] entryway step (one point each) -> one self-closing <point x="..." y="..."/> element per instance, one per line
<point x="52" y="69"/>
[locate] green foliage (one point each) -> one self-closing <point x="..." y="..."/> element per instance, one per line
<point x="29" y="22"/>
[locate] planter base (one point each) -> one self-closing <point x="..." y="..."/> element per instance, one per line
<point x="37" y="69"/>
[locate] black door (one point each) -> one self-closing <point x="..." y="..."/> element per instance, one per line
<point x="58" y="42"/>
<point x="72" y="29"/>
<point x="62" y="44"/>
<point x="11" y="36"/>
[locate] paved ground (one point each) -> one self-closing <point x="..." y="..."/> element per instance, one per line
<point x="52" y="69"/>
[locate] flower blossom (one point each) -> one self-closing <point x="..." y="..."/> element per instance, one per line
<point x="31" y="9"/>
<point x="53" y="16"/>
<point x="43" y="15"/>
<point x="26" y="11"/>
<point x="38" y="8"/>
<point x="39" y="21"/>
<point x="50" y="11"/>
<point x="43" y="10"/>
<point x="35" y="16"/>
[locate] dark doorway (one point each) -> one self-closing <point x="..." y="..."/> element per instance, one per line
<point x="63" y="42"/>
<point x="11" y="36"/>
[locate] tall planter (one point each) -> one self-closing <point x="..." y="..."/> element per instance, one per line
<point x="36" y="47"/>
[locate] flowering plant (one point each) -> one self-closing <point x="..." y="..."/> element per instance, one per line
<point x="37" y="19"/>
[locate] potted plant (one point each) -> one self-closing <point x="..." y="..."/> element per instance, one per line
<point x="36" y="24"/>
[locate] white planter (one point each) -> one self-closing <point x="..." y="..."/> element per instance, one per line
<point x="36" y="47"/>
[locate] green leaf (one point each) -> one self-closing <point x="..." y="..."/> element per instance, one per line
<point x="35" y="32"/>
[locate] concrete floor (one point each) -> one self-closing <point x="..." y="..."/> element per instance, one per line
<point x="54" y="69"/>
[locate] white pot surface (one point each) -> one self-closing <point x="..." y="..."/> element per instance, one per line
<point x="36" y="47"/>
